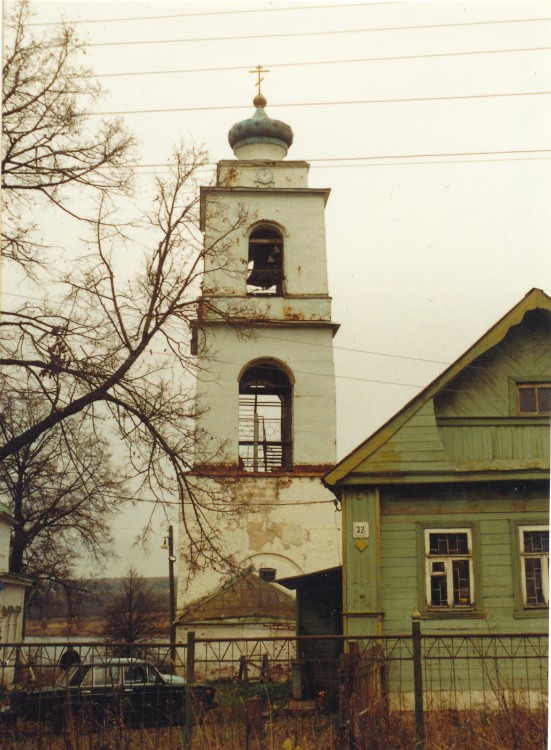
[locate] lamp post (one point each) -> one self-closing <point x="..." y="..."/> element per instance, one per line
<point x="169" y="544"/>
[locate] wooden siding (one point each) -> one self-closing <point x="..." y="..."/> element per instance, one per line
<point x="416" y="446"/>
<point x="443" y="434"/>
<point x="398" y="574"/>
<point x="524" y="444"/>
<point x="482" y="389"/>
<point x="478" y="386"/>
<point x="396" y="553"/>
<point x="494" y="555"/>
<point x="361" y="574"/>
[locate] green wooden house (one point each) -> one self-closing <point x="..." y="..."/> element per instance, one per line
<point x="446" y="506"/>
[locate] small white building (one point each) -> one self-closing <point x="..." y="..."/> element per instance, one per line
<point x="265" y="397"/>
<point x="12" y="599"/>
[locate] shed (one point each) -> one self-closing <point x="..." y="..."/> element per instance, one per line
<point x="319" y="613"/>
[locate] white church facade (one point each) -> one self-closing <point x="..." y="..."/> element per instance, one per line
<point x="12" y="601"/>
<point x="265" y="394"/>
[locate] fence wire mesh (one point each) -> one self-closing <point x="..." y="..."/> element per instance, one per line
<point x="327" y="693"/>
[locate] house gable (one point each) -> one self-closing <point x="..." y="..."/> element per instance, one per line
<point x="483" y="388"/>
<point x="417" y="441"/>
<point x="414" y="447"/>
<point x="477" y="413"/>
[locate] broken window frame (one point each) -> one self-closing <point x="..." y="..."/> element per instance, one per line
<point x="265" y="265"/>
<point x="534" y="568"/>
<point x="450" y="567"/>
<point x="260" y="452"/>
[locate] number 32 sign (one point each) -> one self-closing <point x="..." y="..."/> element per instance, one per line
<point x="360" y="530"/>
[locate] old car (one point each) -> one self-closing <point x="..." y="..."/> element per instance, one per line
<point x="122" y="690"/>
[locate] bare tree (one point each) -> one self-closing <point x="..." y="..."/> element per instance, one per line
<point x="49" y="141"/>
<point x="133" y="614"/>
<point x="115" y="345"/>
<point x="62" y="491"/>
<point x="110" y="346"/>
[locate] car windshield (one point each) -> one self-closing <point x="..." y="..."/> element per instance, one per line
<point x="72" y="676"/>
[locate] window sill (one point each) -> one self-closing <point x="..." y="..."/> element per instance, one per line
<point x="264" y="295"/>
<point x="530" y="614"/>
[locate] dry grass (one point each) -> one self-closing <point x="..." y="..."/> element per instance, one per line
<point x="230" y="730"/>
<point x="87" y="627"/>
<point x="517" y="729"/>
<point x="53" y="628"/>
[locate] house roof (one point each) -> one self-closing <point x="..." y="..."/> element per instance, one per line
<point x="419" y="406"/>
<point x="296" y="582"/>
<point x="15" y="578"/>
<point x="242" y="597"/>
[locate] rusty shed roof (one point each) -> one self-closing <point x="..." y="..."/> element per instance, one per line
<point x="241" y="597"/>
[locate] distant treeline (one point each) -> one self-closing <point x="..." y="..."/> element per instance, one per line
<point x="87" y="598"/>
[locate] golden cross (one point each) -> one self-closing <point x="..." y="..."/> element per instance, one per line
<point x="258" y="70"/>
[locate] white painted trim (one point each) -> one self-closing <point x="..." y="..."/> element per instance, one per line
<point x="447" y="559"/>
<point x="532" y="555"/>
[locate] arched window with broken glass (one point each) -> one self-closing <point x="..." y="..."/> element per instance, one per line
<point x="265" y="261"/>
<point x="265" y="409"/>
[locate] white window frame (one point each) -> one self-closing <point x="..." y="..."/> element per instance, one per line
<point x="544" y="557"/>
<point x="448" y="570"/>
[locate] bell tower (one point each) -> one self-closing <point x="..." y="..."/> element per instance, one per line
<point x="265" y="393"/>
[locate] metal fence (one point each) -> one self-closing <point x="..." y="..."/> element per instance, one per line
<point x="416" y="691"/>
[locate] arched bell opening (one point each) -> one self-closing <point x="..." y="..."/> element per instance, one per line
<point x="265" y="261"/>
<point x="265" y="415"/>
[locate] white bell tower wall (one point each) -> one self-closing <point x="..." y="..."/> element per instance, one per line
<point x="293" y="327"/>
<point x="263" y="341"/>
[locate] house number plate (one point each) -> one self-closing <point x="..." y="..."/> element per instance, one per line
<point x="360" y="530"/>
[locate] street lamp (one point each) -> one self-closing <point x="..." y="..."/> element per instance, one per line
<point x="168" y="543"/>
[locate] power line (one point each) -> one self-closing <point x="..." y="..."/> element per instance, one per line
<point x="277" y="338"/>
<point x="374" y="165"/>
<point x="331" y="32"/>
<point x="316" y="62"/>
<point x="414" y="163"/>
<point x="357" y="351"/>
<point x="207" y="166"/>
<point x="177" y="502"/>
<point x="325" y="374"/>
<point x="389" y="156"/>
<point x="328" y="104"/>
<point x="449" y="153"/>
<point x="332" y="375"/>
<point x="212" y="13"/>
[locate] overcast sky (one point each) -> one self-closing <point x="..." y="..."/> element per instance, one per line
<point x="431" y="124"/>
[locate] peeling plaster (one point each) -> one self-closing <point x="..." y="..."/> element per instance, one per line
<point x="261" y="533"/>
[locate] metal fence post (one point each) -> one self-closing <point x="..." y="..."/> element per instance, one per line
<point x="172" y="598"/>
<point x="343" y="699"/>
<point x="190" y="677"/>
<point x="253" y="722"/>
<point x="418" y="681"/>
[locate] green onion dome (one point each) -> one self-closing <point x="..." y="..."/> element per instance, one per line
<point x="260" y="129"/>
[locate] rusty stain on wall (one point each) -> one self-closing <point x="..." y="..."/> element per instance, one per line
<point x="289" y="314"/>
